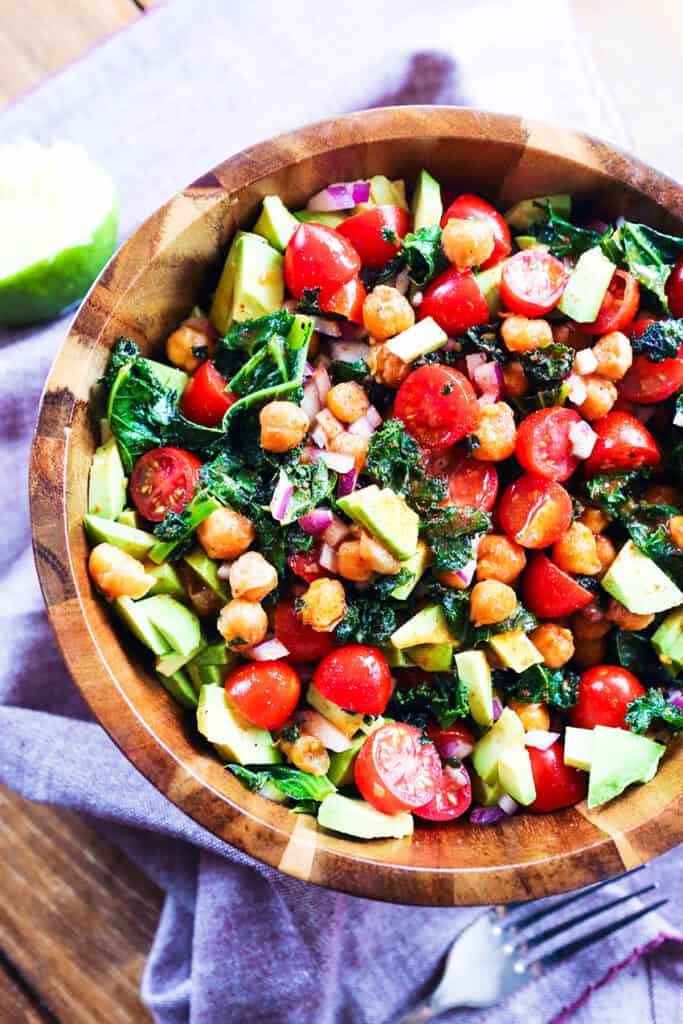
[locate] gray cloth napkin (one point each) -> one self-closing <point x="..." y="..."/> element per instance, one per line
<point x="158" y="105"/>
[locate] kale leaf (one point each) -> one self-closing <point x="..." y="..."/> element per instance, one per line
<point x="450" y="531"/>
<point x="540" y="685"/>
<point x="541" y="399"/>
<point x="548" y="365"/>
<point x="654" y="705"/>
<point x="484" y="338"/>
<point x="357" y="370"/>
<point x="647" y="527"/>
<point x="646" y="253"/>
<point x="564" y="238"/>
<point x="244" y="338"/>
<point x="456" y="608"/>
<point x="313" y="482"/>
<point x="367" y="621"/>
<point x="292" y="782"/>
<point x="423" y="255"/>
<point x="660" y="341"/>
<point x="394" y="460"/>
<point x="613" y="491"/>
<point x="521" y="619"/>
<point x="635" y="652"/>
<point x="443" y="699"/>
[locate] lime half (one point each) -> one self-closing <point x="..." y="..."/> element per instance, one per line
<point x="58" y="219"/>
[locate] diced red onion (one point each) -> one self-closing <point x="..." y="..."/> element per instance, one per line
<point x="337" y="461"/>
<point x="466" y="574"/>
<point x="585" y="362"/>
<point x="367" y="424"/>
<point x="576" y="389"/>
<point x="486" y="400"/>
<point x="459" y="748"/>
<point x="474" y="360"/>
<point x="488" y="378"/>
<point x="330" y="328"/>
<point x="343" y="195"/>
<point x="335" y="533"/>
<point x="373" y="416"/>
<point x="267" y="650"/>
<point x="311" y="403"/>
<point x="402" y="282"/>
<point x="486" y="815"/>
<point x="459" y="775"/>
<point x="319" y="439"/>
<point x="328" y="558"/>
<point x="322" y="382"/>
<point x="678" y="418"/>
<point x="497" y="709"/>
<point x="282" y="494"/>
<point x="350" y="351"/>
<point x="317" y="521"/>
<point x="540" y="739"/>
<point x="417" y="299"/>
<point x="676" y="697"/>
<point x="315" y="724"/>
<point x="582" y="438"/>
<point x="346" y="482"/>
<point x="508" y="805"/>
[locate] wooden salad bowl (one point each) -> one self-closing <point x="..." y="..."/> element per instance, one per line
<point x="149" y="286"/>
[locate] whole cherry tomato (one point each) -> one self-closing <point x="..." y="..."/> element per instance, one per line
<point x="455" y="301"/>
<point x="438" y="405"/>
<point x="265" y="692"/>
<point x="376" y="233"/>
<point x="623" y="443"/>
<point x="355" y="677"/>
<point x="557" y="784"/>
<point x="302" y="641"/>
<point x="318" y="258"/>
<point x="604" y="695"/>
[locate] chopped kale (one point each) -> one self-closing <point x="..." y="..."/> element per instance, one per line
<point x="246" y="337"/>
<point x="450" y="531"/>
<point x="313" y="482"/>
<point x="647" y="527"/>
<point x="423" y="254"/>
<point x="660" y="341"/>
<point x="367" y="621"/>
<point x="389" y="236"/>
<point x="540" y="685"/>
<point x="549" y="365"/>
<point x="646" y="253"/>
<point x="635" y="652"/>
<point x="521" y="619"/>
<point x="394" y="460"/>
<point x="542" y="399"/>
<point x="484" y="338"/>
<point x="358" y="370"/>
<point x="309" y="303"/>
<point x="443" y="699"/>
<point x="292" y="782"/>
<point x="613" y="491"/>
<point x="644" y="711"/>
<point x="564" y="238"/>
<point x="456" y="607"/>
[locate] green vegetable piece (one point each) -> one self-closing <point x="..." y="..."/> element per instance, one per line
<point x="331" y="220"/>
<point x="107" y="483"/>
<point x="541" y="685"/>
<point x="489" y="282"/>
<point x="386" y="515"/>
<point x="177" y="624"/>
<point x="660" y="340"/>
<point x="129" y="517"/>
<point x="276" y="223"/>
<point x="180" y="688"/>
<point x="426" y="207"/>
<point x="395" y="658"/>
<point x="217" y="654"/>
<point x="432" y="657"/>
<point x="619" y="759"/>
<point x="342" y="764"/>
<point x="177" y="527"/>
<point x="428" y="626"/>
<point x="475" y="673"/>
<point x="667" y="640"/>
<point x="134" y="542"/>
<point x="515" y="650"/>
<point x="394" y="460"/>
<point x="170" y="377"/>
<point x="169" y="664"/>
<point x="167" y="581"/>
<point x="515" y="775"/>
<point x="639" y="584"/>
<point x="221" y="313"/>
<point x="508" y="731"/>
<point x="549" y="365"/>
<point x="416" y="565"/>
<point x="528" y="212"/>
<point x="423" y="337"/>
<point x="578" y="747"/>
<point x="259" y="280"/>
<point x="289" y="782"/>
<point x="643" y="711"/>
<point x="529" y="242"/>
<point x="345" y="721"/>
<point x="358" y="819"/>
<point x="212" y="675"/>
<point x="207" y="570"/>
<point x="133" y="616"/>
<point x="587" y="285"/>
<point x="486" y="793"/>
<point x="234" y="738"/>
<point x="384" y="192"/>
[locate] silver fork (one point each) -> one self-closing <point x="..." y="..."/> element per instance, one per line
<point x="495" y="955"/>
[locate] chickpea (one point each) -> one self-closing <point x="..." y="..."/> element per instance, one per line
<point x="379" y="558"/>
<point x="590" y="652"/>
<point x="663" y="494"/>
<point x="601" y="395"/>
<point x="351" y="444"/>
<point x="577" y="551"/>
<point x="118" y="574"/>
<point x="554" y="642"/>
<point x="225" y="534"/>
<point x="515" y="380"/>
<point x="386" y="368"/>
<point x="350" y="565"/>
<point x="590" y="623"/>
<point x="624" y="619"/>
<point x="595" y="519"/>
<point x="252" y="577"/>
<point x="324" y="605"/>
<point x="242" y="623"/>
<point x="195" y="333"/>
<point x="496" y="433"/>
<point x="606" y="553"/>
<point x="533" y="716"/>
<point x="284" y="425"/>
<point x="348" y="401"/>
<point x="491" y="602"/>
<point x="499" y="558"/>
<point x="676" y="530"/>
<point x="386" y="313"/>
<point x="523" y="335"/>
<point x="450" y="578"/>
<point x="307" y="753"/>
<point x="467" y="243"/>
<point x="614" y="355"/>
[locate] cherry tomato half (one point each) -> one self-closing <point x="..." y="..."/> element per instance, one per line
<point x="618" y="308"/>
<point x="162" y="481"/>
<point x="438" y="405"/>
<point x="452" y="797"/>
<point x="468" y="205"/>
<point x="535" y="512"/>
<point x="206" y="398"/>
<point x="548" y="592"/>
<point x="376" y="233"/>
<point x="472" y="484"/>
<point x="532" y="282"/>
<point x="623" y="443"/>
<point x="306" y="566"/>
<point x="265" y="692"/>
<point x="319" y="257"/>
<point x="455" y="301"/>
<point x="604" y="695"/>
<point x="557" y="784"/>
<point x="396" y="770"/>
<point x="674" y="289"/>
<point x="356" y="677"/>
<point x="345" y="301"/>
<point x="543" y="445"/>
<point x="303" y="642"/>
<point x="646" y="381"/>
<point x="455" y="741"/>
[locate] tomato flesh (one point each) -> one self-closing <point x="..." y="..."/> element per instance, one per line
<point x="396" y="770"/>
<point x="455" y="301"/>
<point x="206" y="398"/>
<point x="438" y="406"/>
<point x="452" y="798"/>
<point x="532" y="282"/>
<point x="468" y="205"/>
<point x="618" y="308"/>
<point x="162" y="481"/>
<point x="535" y="512"/>
<point x="355" y="677"/>
<point x="543" y="445"/>
<point x="623" y="443"/>
<point x="305" y="565"/>
<point x="455" y="741"/>
<point x="548" y="592"/>
<point x="319" y="260"/>
<point x="674" y="289"/>
<point x="265" y="692"/>
<point x="345" y="301"/>
<point x="472" y="484"/>
<point x="376" y="233"/>
<point x="557" y="784"/>
<point x="302" y="641"/>
<point x="646" y="381"/>
<point x="603" y="697"/>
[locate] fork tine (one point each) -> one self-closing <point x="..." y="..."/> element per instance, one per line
<point x="564" y="952"/>
<point x="536" y="915"/>
<point x="550" y="933"/>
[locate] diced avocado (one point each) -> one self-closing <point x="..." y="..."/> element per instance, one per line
<point x="342" y="764"/>
<point x="167" y="580"/>
<point x="129" y="517"/>
<point x="515" y="775"/>
<point x="106" y="531"/>
<point x="620" y="758"/>
<point x="489" y="282"/>
<point x="221" y="314"/>
<point x="530" y="211"/>
<point x="180" y="688"/>
<point x="176" y="623"/>
<point x="259" y="280"/>
<point x="416" y="565"/>
<point x="475" y="673"/>
<point x="668" y="641"/>
<point x="276" y="223"/>
<point x="384" y="192"/>
<point x="330" y="220"/>
<point x="639" y="584"/>
<point x="217" y="654"/>
<point x="133" y="616"/>
<point x="423" y="337"/>
<point x="169" y="664"/>
<point x="357" y="818"/>
<point x="529" y="242"/>
<point x="107" y="484"/>
<point x="516" y="650"/>
<point x="193" y="674"/>
<point x="578" y="747"/>
<point x="207" y="570"/>
<point x="345" y="721"/>
<point x="427" y="207"/>
<point x="213" y="675"/>
<point x="428" y="626"/>
<point x="432" y="657"/>
<point x="169" y="376"/>
<point x="508" y="731"/>
<point x="386" y="515"/>
<point x="233" y="736"/>
<point x="486" y="793"/>
<point x="587" y="285"/>
<point x="395" y="658"/>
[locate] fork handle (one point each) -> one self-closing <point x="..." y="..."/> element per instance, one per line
<point x="418" y="1015"/>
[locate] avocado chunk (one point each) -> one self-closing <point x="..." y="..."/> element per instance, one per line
<point x="486" y="793"/>
<point x="423" y="337"/>
<point x="330" y="220"/>
<point x="207" y="570"/>
<point x="528" y="212"/>
<point x="396" y="658"/>
<point x="668" y="641"/>
<point x="106" y="531"/>
<point x="428" y="626"/>
<point x="167" y="580"/>
<point x="133" y="616"/>
<point x="217" y="654"/>
<point x="427" y="206"/>
<point x="358" y="819"/>
<point x="342" y="764"/>
<point x="345" y="721"/>
<point x="508" y="731"/>
<point x="213" y="675"/>
<point x="432" y="657"/>
<point x="107" y="483"/>
<point x="515" y="650"/>
<point x="168" y="376"/>
<point x="475" y="673"/>
<point x="386" y="515"/>
<point x="587" y="285"/>
<point x="234" y="738"/>
<point x="515" y="774"/>
<point x="176" y="623"/>
<point x="489" y="282"/>
<point x="620" y="758"/>
<point x="384" y="192"/>
<point x="578" y="747"/>
<point x="529" y="242"/>
<point x="251" y="284"/>
<point x="129" y="517"/>
<point x="639" y="584"/>
<point x="276" y="223"/>
<point x="169" y="664"/>
<point x="180" y="688"/>
<point x="416" y="565"/>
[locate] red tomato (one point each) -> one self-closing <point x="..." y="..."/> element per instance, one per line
<point x="548" y="592"/>
<point x="543" y="445"/>
<point x="345" y="301"/>
<point x="623" y="443"/>
<point x="472" y="484"/>
<point x="438" y="405"/>
<point x="532" y="282"/>
<point x="206" y="398"/>
<point x="162" y="481"/>
<point x="535" y="512"/>
<point x="604" y="695"/>
<point x="376" y="233"/>
<point x="674" y="289"/>
<point x="357" y="678"/>
<point x="396" y="770"/>
<point x="646" y="381"/>
<point x="319" y="257"/>
<point x="466" y="206"/>
<point x="305" y="565"/>
<point x="455" y="301"/>
<point x="456" y="741"/>
<point x="452" y="798"/>
<point x="557" y="784"/>
<point x="265" y="692"/>
<point x="303" y="642"/>
<point x="618" y="308"/>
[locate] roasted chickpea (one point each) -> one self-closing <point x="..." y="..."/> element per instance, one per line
<point x="225" y="534"/>
<point x="467" y="243"/>
<point x="350" y="564"/>
<point x="614" y="355"/>
<point x="515" y="380"/>
<point x="624" y="619"/>
<point x="601" y="394"/>
<point x="330" y="425"/>
<point x="324" y="605"/>
<point x="348" y="401"/>
<point x="499" y="558"/>
<point x="242" y="623"/>
<point x="496" y="433"/>
<point x="523" y="335"/>
<point x="284" y="425"/>
<point x="606" y="553"/>
<point x="595" y="519"/>
<point x="590" y="623"/>
<point x="663" y="494"/>
<point x="351" y="444"/>
<point x="386" y="313"/>
<point x="554" y="642"/>
<point x="118" y="574"/>
<point x="676" y="530"/>
<point x="307" y="753"/>
<point x="590" y="652"/>
<point x="252" y="577"/>
<point x="576" y="551"/>
<point x="195" y="333"/>
<point x="386" y="368"/>
<point x="533" y="716"/>
<point x="491" y="602"/>
<point x="379" y="558"/>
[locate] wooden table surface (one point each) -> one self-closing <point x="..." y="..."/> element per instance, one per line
<point x="76" y="917"/>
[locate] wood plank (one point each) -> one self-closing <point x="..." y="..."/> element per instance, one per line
<point x="76" y="917"/>
<point x="15" y="1007"/>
